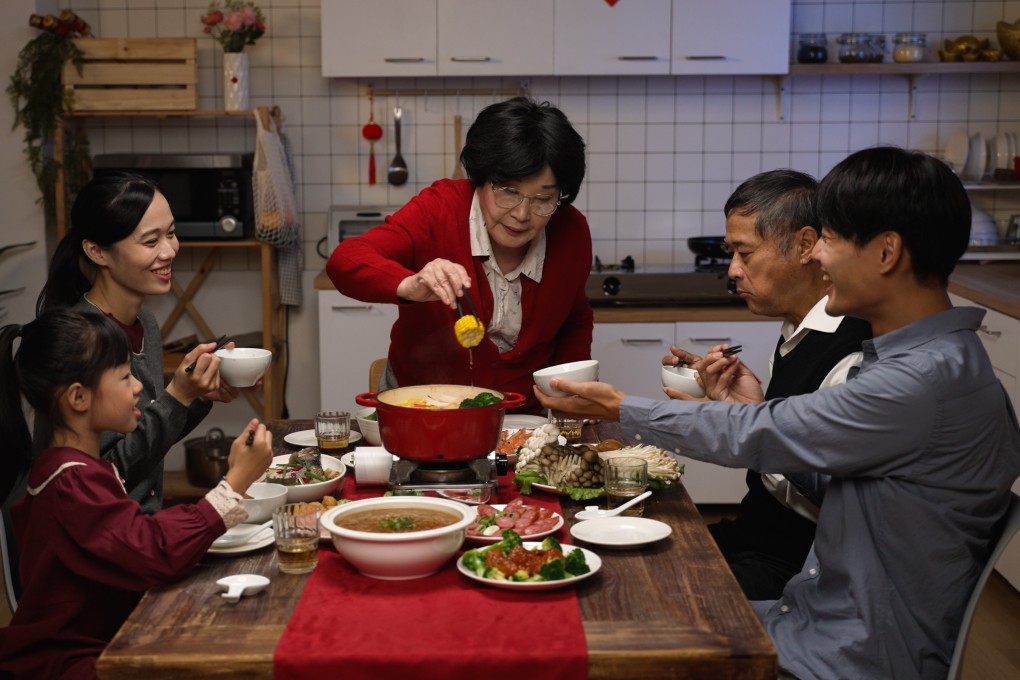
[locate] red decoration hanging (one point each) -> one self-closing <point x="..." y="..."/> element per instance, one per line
<point x="372" y="132"/>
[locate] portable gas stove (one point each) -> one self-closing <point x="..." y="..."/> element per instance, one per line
<point x="624" y="284"/>
<point x="472" y="481"/>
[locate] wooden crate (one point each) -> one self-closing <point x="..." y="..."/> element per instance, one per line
<point x="125" y="74"/>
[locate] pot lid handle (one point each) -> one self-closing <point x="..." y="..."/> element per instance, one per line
<point x="214" y="433"/>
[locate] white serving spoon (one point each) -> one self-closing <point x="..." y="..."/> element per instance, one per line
<point x="241" y="584"/>
<point x="593" y="511"/>
<point x="240" y="534"/>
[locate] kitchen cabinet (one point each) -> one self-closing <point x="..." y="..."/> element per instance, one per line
<point x="352" y="334"/>
<point x="628" y="38"/>
<point x="630" y="358"/>
<point x="730" y="36"/>
<point x="494" y="37"/>
<point x="378" y="38"/>
<point x="1000" y="335"/>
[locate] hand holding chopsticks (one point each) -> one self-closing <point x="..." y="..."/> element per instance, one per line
<point x="469" y="329"/>
<point x="223" y="339"/>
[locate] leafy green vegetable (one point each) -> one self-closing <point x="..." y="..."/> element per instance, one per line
<point x="511" y="539"/>
<point x="397" y="524"/>
<point x="553" y="570"/>
<point x="579" y="493"/>
<point x="576" y="563"/>
<point x="524" y="480"/>
<point x="475" y="561"/>
<point x="372" y="416"/>
<point x="481" y="399"/>
<point x="550" y="543"/>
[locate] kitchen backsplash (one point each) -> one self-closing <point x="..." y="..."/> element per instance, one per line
<point x="663" y="152"/>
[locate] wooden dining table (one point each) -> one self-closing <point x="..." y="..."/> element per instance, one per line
<point x="671" y="609"/>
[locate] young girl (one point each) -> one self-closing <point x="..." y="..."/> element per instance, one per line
<point x="88" y="552"/>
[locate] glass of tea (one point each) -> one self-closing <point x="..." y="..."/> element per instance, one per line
<point x="296" y="530"/>
<point x="333" y="431"/>
<point x="625" y="477"/>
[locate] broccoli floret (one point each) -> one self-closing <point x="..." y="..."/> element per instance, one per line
<point x="553" y="570"/>
<point x="520" y="575"/>
<point x="576" y="564"/>
<point x="493" y="573"/>
<point x="550" y="543"/>
<point x="475" y="561"/>
<point x="510" y="540"/>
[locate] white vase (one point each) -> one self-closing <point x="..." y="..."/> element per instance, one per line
<point x="235" y="81"/>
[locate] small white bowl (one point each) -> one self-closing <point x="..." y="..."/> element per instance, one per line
<point x="578" y="371"/>
<point x="400" y="556"/>
<point x="369" y="428"/>
<point x="243" y="366"/>
<point x="682" y="378"/>
<point x="265" y="497"/>
<point x="306" y="493"/>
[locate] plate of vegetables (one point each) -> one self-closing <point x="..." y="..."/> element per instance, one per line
<point x="514" y="564"/>
<point x="528" y="520"/>
<point x="307" y="475"/>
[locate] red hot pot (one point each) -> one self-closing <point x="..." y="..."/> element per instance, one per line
<point x="446" y="434"/>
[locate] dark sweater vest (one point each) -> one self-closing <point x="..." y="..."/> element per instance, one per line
<point x="765" y="524"/>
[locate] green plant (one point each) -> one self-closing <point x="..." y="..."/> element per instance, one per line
<point x="37" y="95"/>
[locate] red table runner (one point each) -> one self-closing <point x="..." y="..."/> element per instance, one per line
<point x="443" y="626"/>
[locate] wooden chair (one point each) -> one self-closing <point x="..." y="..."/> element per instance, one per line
<point x="1009" y="530"/>
<point x="375" y="373"/>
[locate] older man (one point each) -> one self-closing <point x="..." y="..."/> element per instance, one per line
<point x="771" y="230"/>
<point x="921" y="446"/>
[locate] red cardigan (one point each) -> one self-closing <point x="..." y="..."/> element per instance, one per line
<point x="556" y="322"/>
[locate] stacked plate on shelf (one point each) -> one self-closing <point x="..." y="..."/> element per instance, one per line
<point x="974" y="156"/>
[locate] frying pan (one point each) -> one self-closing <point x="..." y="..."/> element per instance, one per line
<point x="708" y="246"/>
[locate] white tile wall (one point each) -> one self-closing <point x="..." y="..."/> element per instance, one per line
<point x="663" y="152"/>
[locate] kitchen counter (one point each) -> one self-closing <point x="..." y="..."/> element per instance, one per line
<point x="995" y="285"/>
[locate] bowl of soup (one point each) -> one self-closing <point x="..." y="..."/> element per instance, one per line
<point x="398" y="537"/>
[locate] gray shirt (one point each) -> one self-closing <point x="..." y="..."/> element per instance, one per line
<point x="922" y="447"/>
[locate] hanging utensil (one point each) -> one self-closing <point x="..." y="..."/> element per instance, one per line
<point x="372" y="132"/>
<point x="397" y="172"/>
<point x="458" y="169"/>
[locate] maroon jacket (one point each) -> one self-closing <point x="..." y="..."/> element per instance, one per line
<point x="557" y="319"/>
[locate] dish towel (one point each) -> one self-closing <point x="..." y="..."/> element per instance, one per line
<point x="443" y="626"/>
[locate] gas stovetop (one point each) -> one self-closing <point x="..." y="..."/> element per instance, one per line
<point x="627" y="285"/>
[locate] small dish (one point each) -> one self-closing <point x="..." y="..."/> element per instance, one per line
<point x="957" y="149"/>
<point x="307" y="438"/>
<point x="593" y="560"/>
<point x="523" y="422"/>
<point x="258" y="542"/>
<point x="556" y="518"/>
<point x="241" y="584"/>
<point x="621" y="532"/>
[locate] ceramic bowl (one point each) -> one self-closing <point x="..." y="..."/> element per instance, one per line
<point x="399" y="556"/>
<point x="265" y="497"/>
<point x="578" y="371"/>
<point x="306" y="493"/>
<point x="682" y="378"/>
<point x="243" y="366"/>
<point x="1009" y="38"/>
<point x="369" y="428"/>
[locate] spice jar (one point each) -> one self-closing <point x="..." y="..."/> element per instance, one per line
<point x="878" y="50"/>
<point x="856" y="48"/>
<point x="813" y="49"/>
<point x="909" y="47"/>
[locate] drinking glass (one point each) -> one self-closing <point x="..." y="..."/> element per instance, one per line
<point x="626" y="477"/>
<point x="296" y="530"/>
<point x="333" y="431"/>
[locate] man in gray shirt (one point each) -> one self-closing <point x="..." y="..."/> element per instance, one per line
<point x="915" y="455"/>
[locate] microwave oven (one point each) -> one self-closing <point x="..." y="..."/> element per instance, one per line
<point x="347" y="220"/>
<point x="210" y="195"/>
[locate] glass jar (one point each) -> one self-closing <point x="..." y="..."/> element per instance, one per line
<point x="856" y="48"/>
<point x="877" y="47"/>
<point x="813" y="49"/>
<point x="909" y="47"/>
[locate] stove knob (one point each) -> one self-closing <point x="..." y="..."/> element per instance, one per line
<point x="611" y="286"/>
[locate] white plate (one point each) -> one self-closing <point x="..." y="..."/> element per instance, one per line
<point x="307" y="438"/>
<point x="956" y="150"/>
<point x="977" y="157"/>
<point x="593" y="560"/>
<point x="495" y="538"/>
<point x="1003" y="161"/>
<point x="261" y="541"/>
<point x="517" y="422"/>
<point x="549" y="488"/>
<point x="621" y="532"/>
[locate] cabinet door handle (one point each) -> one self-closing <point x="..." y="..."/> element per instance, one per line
<point x="471" y="59"/>
<point x="636" y="57"/>
<point x="642" y="341"/>
<point x="710" y="341"/>
<point x="990" y="333"/>
<point x="352" y="308"/>
<point x="404" y="60"/>
<point x="705" y="57"/>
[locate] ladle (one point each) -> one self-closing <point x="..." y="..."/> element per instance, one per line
<point x="240" y="534"/>
<point x="241" y="584"/>
<point x="397" y="172"/>
<point x="593" y="511"/>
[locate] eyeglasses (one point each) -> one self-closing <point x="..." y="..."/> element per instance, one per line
<point x="509" y="198"/>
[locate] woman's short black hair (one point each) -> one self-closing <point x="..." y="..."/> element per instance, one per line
<point x="891" y="189"/>
<point x="517" y="138"/>
<point x="106" y="210"/>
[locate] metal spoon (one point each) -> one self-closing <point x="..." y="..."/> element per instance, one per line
<point x="240" y="534"/>
<point x="397" y="171"/>
<point x="593" y="511"/>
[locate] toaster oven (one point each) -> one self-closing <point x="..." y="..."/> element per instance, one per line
<point x="346" y="220"/>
